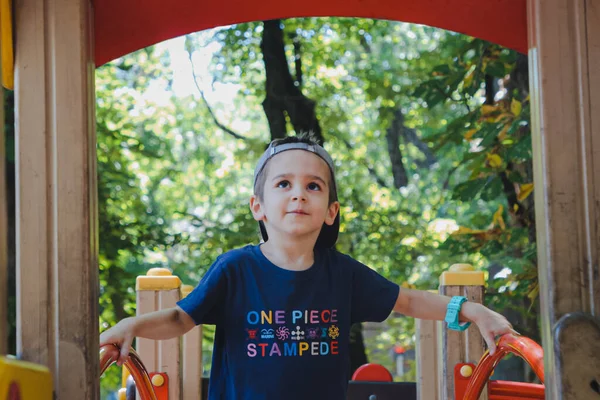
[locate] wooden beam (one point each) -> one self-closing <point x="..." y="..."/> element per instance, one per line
<point x="460" y="347"/>
<point x="565" y="94"/>
<point x="57" y="271"/>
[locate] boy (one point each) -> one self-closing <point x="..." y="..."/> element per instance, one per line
<point x="283" y="309"/>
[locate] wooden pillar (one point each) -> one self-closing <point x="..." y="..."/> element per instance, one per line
<point x="57" y="244"/>
<point x="427" y="359"/>
<point x="159" y="290"/>
<point x="191" y="373"/>
<point x="460" y="347"/>
<point x="564" y="54"/>
<point x="191" y="359"/>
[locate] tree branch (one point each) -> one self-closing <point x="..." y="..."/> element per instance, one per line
<point x="210" y="111"/>
<point x="372" y="171"/>
<point x="411" y="136"/>
<point x="393" y="140"/>
<point x="297" y="59"/>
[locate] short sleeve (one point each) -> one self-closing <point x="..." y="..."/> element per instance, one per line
<point x="373" y="296"/>
<point x="205" y="304"/>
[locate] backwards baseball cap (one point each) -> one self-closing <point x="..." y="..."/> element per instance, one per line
<point x="329" y="233"/>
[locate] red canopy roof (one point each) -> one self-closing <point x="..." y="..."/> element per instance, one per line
<point x="123" y="26"/>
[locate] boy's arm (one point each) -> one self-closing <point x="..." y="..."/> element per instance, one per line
<point x="426" y="305"/>
<point x="158" y="325"/>
<point x="163" y="324"/>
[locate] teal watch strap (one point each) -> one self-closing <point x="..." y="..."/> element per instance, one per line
<point x="453" y="312"/>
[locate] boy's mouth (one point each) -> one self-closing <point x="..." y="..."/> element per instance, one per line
<point x="300" y="212"/>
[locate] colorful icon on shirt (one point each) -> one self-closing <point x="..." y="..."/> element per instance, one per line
<point x="267" y="333"/>
<point x="313" y="333"/>
<point x="282" y="333"/>
<point x="252" y="333"/>
<point x="297" y="334"/>
<point x="334" y="331"/>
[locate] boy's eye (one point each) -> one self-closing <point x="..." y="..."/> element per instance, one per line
<point x="313" y="186"/>
<point x="283" y="184"/>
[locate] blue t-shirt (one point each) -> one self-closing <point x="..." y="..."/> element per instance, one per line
<point x="285" y="334"/>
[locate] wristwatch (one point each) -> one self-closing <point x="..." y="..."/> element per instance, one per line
<point x="453" y="312"/>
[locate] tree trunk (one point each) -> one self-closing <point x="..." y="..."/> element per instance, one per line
<point x="283" y="95"/>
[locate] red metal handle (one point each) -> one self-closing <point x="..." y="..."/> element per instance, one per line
<point x="521" y="346"/>
<point x="109" y="354"/>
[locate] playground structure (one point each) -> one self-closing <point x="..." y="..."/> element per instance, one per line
<point x="172" y="369"/>
<point x="167" y="370"/>
<point x="57" y="45"/>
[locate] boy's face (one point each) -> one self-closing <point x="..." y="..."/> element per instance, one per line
<point x="295" y="201"/>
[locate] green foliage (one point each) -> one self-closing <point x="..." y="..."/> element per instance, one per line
<point x="493" y="172"/>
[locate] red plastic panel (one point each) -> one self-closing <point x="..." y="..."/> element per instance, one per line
<point x="125" y="26"/>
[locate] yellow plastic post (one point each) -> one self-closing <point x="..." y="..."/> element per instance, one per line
<point x="6" y="45"/>
<point x="24" y="380"/>
<point x="460" y="347"/>
<point x="158" y="290"/>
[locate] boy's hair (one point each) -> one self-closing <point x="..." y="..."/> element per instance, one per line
<point x="307" y="142"/>
<point x="304" y="137"/>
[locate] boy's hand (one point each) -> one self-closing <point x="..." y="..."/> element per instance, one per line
<point x="490" y="323"/>
<point x="121" y="334"/>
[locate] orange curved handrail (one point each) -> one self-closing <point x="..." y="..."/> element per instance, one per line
<point x="521" y="346"/>
<point x="109" y="354"/>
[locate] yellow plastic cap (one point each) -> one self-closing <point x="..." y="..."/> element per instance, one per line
<point x="159" y="272"/>
<point x="157" y="279"/>
<point x="158" y="380"/>
<point x="185" y="290"/>
<point x="462" y="275"/>
<point x="461" y="268"/>
<point x="466" y="371"/>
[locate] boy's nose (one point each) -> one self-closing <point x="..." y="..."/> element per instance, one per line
<point x="299" y="195"/>
<point x="299" y="198"/>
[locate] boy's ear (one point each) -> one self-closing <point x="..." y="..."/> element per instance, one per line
<point x="256" y="208"/>
<point x="332" y="212"/>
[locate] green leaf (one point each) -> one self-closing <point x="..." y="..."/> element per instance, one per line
<point x="468" y="190"/>
<point x="516" y="177"/>
<point x="496" y="69"/>
<point x="442" y="69"/>
<point x="517" y="265"/>
<point x="492" y="189"/>
<point x="491" y="248"/>
<point x="489" y="133"/>
<point x="521" y="151"/>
